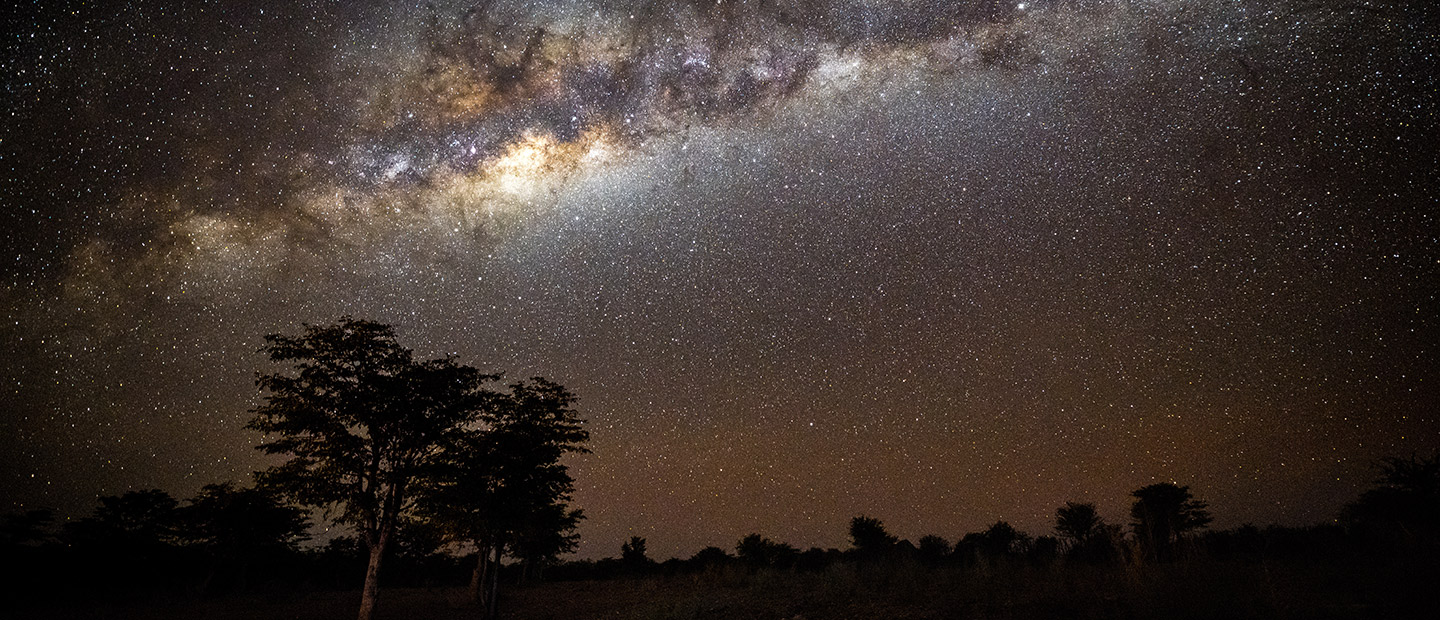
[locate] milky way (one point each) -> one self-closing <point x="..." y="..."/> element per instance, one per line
<point x="941" y="263"/>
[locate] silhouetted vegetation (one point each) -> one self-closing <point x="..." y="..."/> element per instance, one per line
<point x="1161" y="516"/>
<point x="633" y="558"/>
<point x="237" y="528"/>
<point x="1088" y="538"/>
<point x="869" y="538"/>
<point x="757" y="552"/>
<point x="145" y="548"/>
<point x="500" y="487"/>
<point x="362" y="424"/>
<point x="458" y="488"/>
<point x="1402" y="511"/>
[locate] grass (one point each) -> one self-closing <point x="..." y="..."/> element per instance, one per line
<point x="1194" y="590"/>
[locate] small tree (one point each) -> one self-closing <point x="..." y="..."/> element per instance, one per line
<point x="1090" y="538"/>
<point x="869" y="537"/>
<point x="1404" y="505"/>
<point x="1002" y="539"/>
<point x="709" y="557"/>
<point x="361" y="422"/>
<point x="138" y="524"/>
<point x="933" y="549"/>
<point x="632" y="555"/>
<point x="238" y="526"/>
<point x="758" y="551"/>
<point x="1079" y="523"/>
<point x="129" y="541"/>
<point x="1162" y="514"/>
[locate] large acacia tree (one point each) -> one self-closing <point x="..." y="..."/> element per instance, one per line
<point x="362" y="423"/>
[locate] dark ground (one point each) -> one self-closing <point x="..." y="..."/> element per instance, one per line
<point x="1189" y="591"/>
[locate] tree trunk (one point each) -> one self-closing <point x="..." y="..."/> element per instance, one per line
<point x="372" y="577"/>
<point x="493" y="608"/>
<point x="476" y="590"/>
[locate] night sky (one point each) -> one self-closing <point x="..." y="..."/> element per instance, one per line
<point x="939" y="263"/>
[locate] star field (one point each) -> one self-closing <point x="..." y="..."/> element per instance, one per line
<point x="938" y="263"/>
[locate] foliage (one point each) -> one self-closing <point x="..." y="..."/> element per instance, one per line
<point x="138" y="520"/>
<point x="234" y="522"/>
<point x="500" y="485"/>
<point x="1001" y="539"/>
<point x="362" y="422"/>
<point x="1162" y="514"/>
<point x="1247" y="571"/>
<point x="932" y="549"/>
<point x="361" y="419"/>
<point x="869" y="537"/>
<point x="758" y="551"/>
<point x="549" y="533"/>
<point x="1078" y="522"/>
<point x="1404" y="505"/>
<point x="1089" y="538"/>
<point x="710" y="557"/>
<point x="632" y="554"/>
<point x="238" y="527"/>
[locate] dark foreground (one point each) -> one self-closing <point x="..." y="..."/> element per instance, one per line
<point x="1193" y="590"/>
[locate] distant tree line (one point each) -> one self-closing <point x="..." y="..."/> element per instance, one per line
<point x="1401" y="515"/>
<point x="229" y="539"/>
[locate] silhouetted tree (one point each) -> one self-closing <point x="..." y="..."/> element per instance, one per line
<point x="128" y="543"/>
<point x="632" y="555"/>
<point x="1077" y="522"/>
<point x="1090" y="539"/>
<point x="1162" y="514"/>
<point x="869" y="537"/>
<point x="1002" y="539"/>
<point x="757" y="551"/>
<point x="237" y="526"/>
<point x="1404" y="506"/>
<point x="361" y="421"/>
<point x="968" y="549"/>
<point x="532" y="429"/>
<point x="709" y="557"/>
<point x="500" y="485"/>
<point x="137" y="520"/>
<point x="933" y="549"/>
<point x="540" y="541"/>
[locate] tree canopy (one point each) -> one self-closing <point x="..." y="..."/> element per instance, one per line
<point x="361" y="422"/>
<point x="1077" y="522"/>
<point x="1164" y="512"/>
<point x="868" y="535"/>
<point x="499" y="486"/>
<point x="1404" y="504"/>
